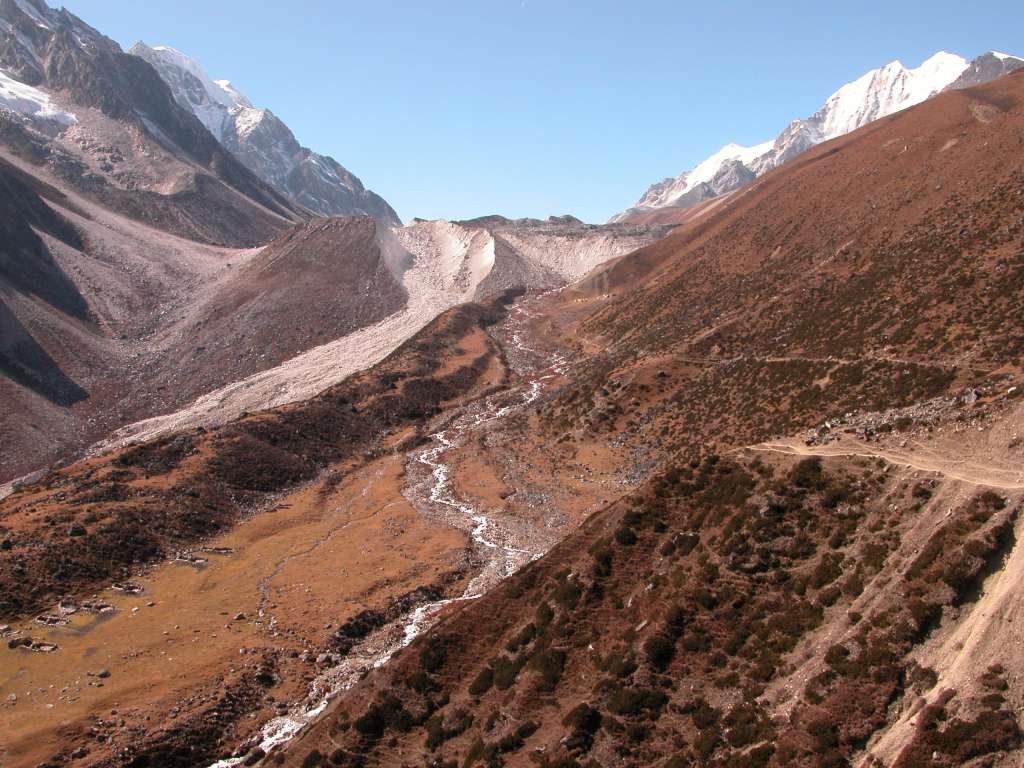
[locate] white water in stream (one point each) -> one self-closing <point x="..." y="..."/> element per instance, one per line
<point x="489" y="542"/>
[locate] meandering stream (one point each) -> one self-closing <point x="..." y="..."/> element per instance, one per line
<point x="496" y="550"/>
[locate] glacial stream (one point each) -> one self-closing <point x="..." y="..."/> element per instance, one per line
<point x="496" y="550"/>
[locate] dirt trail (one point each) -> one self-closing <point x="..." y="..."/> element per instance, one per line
<point x="989" y="631"/>
<point x="915" y="456"/>
<point x="970" y="639"/>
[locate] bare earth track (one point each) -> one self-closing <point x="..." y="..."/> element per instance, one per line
<point x="949" y="463"/>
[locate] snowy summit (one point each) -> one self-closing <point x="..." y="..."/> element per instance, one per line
<point x="873" y="95"/>
<point x="263" y="142"/>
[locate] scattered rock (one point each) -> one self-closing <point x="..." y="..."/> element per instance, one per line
<point x="38" y="646"/>
<point x="97" y="606"/>
<point x="191" y="559"/>
<point x="218" y="550"/>
<point x="127" y="587"/>
<point x="67" y="606"/>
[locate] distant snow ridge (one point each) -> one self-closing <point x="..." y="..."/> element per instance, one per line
<point x="704" y="180"/>
<point x="884" y="91"/>
<point x="263" y="142"/>
<point x="877" y="93"/>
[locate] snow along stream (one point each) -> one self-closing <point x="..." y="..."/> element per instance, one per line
<point x="497" y="550"/>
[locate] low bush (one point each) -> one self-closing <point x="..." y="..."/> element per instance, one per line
<point x="659" y="650"/>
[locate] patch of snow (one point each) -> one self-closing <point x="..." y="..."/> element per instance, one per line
<point x="232" y="92"/>
<point x="1005" y="56"/>
<point x="27" y="100"/>
<point x="247" y="119"/>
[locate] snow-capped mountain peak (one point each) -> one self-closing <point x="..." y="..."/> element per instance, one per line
<point x="875" y="94"/>
<point x="263" y="143"/>
<point x="209" y="100"/>
<point x="707" y="169"/>
<point x="701" y="176"/>
<point x="886" y="90"/>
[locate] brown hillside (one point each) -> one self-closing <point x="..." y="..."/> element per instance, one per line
<point x="877" y="270"/>
<point x="826" y="599"/>
<point x="857" y="246"/>
<point x="317" y="282"/>
<point x="806" y="553"/>
<point x="106" y="322"/>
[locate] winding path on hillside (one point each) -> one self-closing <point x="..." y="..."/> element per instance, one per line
<point x="981" y="631"/>
<point x="921" y="458"/>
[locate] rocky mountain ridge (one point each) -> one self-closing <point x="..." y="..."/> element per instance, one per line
<point x="262" y="142"/>
<point x="104" y="123"/>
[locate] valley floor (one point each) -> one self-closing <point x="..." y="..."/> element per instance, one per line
<point x="241" y="644"/>
<point x="323" y="584"/>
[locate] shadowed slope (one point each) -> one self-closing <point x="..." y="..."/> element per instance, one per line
<point x="25" y="262"/>
<point x="24" y="362"/>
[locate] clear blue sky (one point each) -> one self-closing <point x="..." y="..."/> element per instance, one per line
<point x="469" y="107"/>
